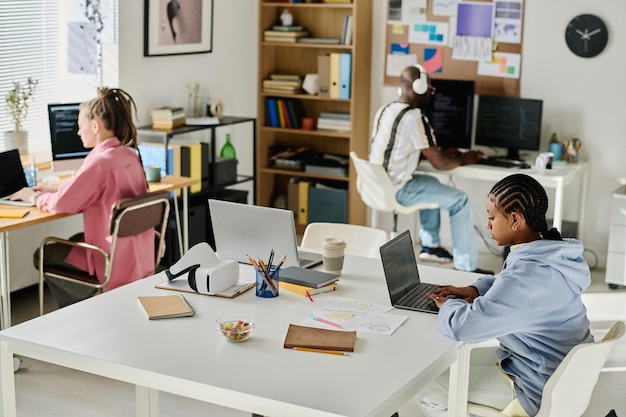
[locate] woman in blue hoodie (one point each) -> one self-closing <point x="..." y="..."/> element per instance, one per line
<point x="533" y="307"/>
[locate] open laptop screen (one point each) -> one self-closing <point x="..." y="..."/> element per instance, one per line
<point x="400" y="266"/>
<point x="12" y="177"/>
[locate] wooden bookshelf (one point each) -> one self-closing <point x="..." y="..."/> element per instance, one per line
<point x="321" y="20"/>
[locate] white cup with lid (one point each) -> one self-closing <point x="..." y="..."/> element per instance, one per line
<point x="333" y="254"/>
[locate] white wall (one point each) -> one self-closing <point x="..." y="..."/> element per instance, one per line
<point x="582" y="97"/>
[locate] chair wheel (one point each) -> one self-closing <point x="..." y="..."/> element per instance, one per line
<point x="613" y="286"/>
<point x="17" y="363"/>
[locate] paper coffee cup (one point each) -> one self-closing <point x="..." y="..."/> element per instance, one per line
<point x="333" y="253"/>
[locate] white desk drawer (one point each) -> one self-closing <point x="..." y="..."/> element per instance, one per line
<point x="617" y="239"/>
<point x="615" y="268"/>
<point x="618" y="211"/>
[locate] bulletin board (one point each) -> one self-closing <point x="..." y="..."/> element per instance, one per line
<point x="412" y="37"/>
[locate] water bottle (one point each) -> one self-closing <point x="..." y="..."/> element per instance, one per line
<point x="228" y="150"/>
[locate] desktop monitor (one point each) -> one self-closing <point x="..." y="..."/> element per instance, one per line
<point x="67" y="148"/>
<point x="509" y="122"/>
<point x="451" y="112"/>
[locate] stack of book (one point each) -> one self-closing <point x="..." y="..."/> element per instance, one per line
<point x="289" y="34"/>
<point x="167" y="117"/>
<point x="283" y="83"/>
<point x="334" y="121"/>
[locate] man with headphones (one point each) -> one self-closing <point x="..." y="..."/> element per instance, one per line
<point x="402" y="133"/>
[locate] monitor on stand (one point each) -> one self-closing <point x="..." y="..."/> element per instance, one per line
<point x="512" y="123"/>
<point x="68" y="152"/>
<point x="451" y="112"/>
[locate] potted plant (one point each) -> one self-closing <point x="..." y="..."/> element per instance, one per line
<point x="17" y="101"/>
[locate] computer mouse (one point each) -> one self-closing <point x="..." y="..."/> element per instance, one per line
<point x="524" y="166"/>
<point x="452" y="296"/>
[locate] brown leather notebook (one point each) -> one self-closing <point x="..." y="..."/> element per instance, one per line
<point x="166" y="306"/>
<point x="314" y="338"/>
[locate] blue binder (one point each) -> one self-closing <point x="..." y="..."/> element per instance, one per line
<point x="345" y="71"/>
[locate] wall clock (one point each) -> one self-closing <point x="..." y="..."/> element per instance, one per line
<point x="586" y="35"/>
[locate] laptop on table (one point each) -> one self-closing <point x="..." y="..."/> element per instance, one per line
<point x="243" y="230"/>
<point x="406" y="290"/>
<point x="12" y="178"/>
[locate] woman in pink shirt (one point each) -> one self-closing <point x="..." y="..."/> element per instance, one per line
<point x="110" y="172"/>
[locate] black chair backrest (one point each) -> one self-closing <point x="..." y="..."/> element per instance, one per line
<point x="140" y="213"/>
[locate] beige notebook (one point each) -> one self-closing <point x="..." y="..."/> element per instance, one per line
<point x="166" y="306"/>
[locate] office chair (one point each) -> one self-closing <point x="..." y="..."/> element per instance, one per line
<point x="378" y="193"/>
<point x="360" y="240"/>
<point x="569" y="389"/>
<point x="129" y="216"/>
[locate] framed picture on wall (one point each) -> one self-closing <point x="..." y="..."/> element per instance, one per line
<point x="177" y="27"/>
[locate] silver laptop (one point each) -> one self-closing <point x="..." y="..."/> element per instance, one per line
<point x="12" y="178"/>
<point x="406" y="291"/>
<point x="243" y="230"/>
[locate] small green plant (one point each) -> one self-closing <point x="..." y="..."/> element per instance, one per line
<point x="17" y="100"/>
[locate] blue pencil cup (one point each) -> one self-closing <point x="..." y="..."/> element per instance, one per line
<point x="557" y="149"/>
<point x="267" y="288"/>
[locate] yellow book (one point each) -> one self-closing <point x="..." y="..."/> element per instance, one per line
<point x="333" y="87"/>
<point x="13" y="213"/>
<point x="302" y="290"/>
<point x="303" y="202"/>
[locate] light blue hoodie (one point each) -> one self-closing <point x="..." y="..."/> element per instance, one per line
<point x="534" y="309"/>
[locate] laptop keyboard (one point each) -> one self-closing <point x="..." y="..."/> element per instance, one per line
<point x="417" y="298"/>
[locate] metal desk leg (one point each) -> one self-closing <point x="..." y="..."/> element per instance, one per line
<point x="185" y="219"/>
<point x="5" y="285"/>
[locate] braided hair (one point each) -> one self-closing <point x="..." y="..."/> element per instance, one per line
<point x="113" y="107"/>
<point x="523" y="194"/>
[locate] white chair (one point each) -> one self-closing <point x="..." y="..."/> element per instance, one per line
<point x="378" y="193"/>
<point x="360" y="240"/>
<point x="568" y="391"/>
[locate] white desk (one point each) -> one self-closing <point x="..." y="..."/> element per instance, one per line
<point x="36" y="216"/>
<point x="188" y="357"/>
<point x="558" y="178"/>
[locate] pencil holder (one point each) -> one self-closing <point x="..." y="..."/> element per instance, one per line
<point x="267" y="288"/>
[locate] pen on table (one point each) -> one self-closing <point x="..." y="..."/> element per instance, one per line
<point x="330" y="352"/>
<point x="309" y="296"/>
<point x="282" y="261"/>
<point x="322" y="320"/>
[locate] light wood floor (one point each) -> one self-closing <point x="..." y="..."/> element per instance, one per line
<point x="48" y="390"/>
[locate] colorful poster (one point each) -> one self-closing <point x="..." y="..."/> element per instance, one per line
<point x="474" y="32"/>
<point x="433" y="60"/>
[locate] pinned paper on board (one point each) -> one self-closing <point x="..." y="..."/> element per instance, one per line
<point x="444" y="7"/>
<point x="397" y="62"/>
<point x="433" y="60"/>
<point x="407" y="11"/>
<point x="400" y="48"/>
<point x="428" y="33"/>
<point x="508" y="21"/>
<point x="502" y="64"/>
<point x="473" y="37"/>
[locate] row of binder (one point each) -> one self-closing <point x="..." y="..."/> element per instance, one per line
<point x="316" y="202"/>
<point x="334" y="74"/>
<point x="283" y="112"/>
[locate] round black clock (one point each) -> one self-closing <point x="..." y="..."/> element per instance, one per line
<point x="586" y="35"/>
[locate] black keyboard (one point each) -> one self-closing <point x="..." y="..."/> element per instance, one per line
<point x="503" y="163"/>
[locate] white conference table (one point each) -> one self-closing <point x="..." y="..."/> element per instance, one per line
<point x="109" y="335"/>
<point x="558" y="178"/>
